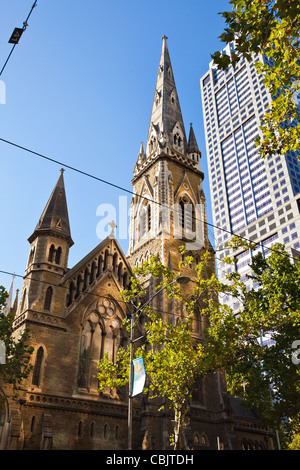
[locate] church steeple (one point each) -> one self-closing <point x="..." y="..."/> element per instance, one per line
<point x="168" y="209"/>
<point x="55" y="218"/>
<point x="51" y="239"/>
<point x="166" y="123"/>
<point x="48" y="255"/>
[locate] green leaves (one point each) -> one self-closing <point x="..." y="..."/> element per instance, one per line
<point x="17" y="365"/>
<point x="271" y="28"/>
<point x="175" y="358"/>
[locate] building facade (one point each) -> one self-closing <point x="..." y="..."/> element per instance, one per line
<point x="75" y="315"/>
<point x="254" y="198"/>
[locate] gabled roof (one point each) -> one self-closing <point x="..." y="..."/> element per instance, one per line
<point x="90" y="256"/>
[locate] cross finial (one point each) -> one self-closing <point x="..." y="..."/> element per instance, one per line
<point x="164" y="37"/>
<point x="113" y="226"/>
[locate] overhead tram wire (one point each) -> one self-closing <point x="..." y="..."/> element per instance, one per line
<point x="16" y="35"/>
<point x="109" y="183"/>
<point x="87" y="293"/>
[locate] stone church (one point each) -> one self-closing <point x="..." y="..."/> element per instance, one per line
<point x="75" y="315"/>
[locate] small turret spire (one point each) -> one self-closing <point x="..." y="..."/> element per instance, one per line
<point x="192" y="145"/>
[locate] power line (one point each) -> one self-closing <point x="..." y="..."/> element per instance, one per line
<point x="109" y="183"/>
<point x="84" y="292"/>
<point x="17" y="33"/>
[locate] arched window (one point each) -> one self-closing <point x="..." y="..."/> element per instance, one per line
<point x="31" y="256"/>
<point x="80" y="429"/>
<point x="115" y="262"/>
<point x="58" y="255"/>
<point x="120" y="272"/>
<point x="177" y="139"/>
<point x="142" y="222"/>
<point x="51" y="254"/>
<point x="100" y="266"/>
<point x="145" y="220"/>
<point x="92" y="430"/>
<point x="85" y="279"/>
<point x="70" y="295"/>
<point x="181" y="215"/>
<point x="187" y="219"/>
<point x="149" y="217"/>
<point x="106" y="254"/>
<point x="93" y="270"/>
<point x="36" y="377"/>
<point x="32" y="427"/>
<point x="48" y="298"/>
<point x="23" y="300"/>
<point x="78" y="286"/>
<point x="125" y="279"/>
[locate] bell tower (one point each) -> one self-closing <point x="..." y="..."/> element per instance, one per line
<point x="48" y="255"/>
<point x="168" y="209"/>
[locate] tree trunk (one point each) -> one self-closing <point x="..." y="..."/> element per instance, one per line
<point x="178" y="428"/>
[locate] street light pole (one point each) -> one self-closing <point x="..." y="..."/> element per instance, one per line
<point x="130" y="386"/>
<point x="180" y="280"/>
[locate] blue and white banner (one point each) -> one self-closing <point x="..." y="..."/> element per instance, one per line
<point x="139" y="376"/>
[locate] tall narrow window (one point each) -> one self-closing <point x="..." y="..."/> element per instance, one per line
<point x="48" y="298"/>
<point x="36" y="378"/>
<point x="80" y="427"/>
<point x="32" y="427"/>
<point x="23" y="300"/>
<point x="142" y="222"/>
<point x="149" y="216"/>
<point x="181" y="215"/>
<point x="51" y="253"/>
<point x="58" y="255"/>
<point x="187" y="217"/>
<point x="31" y="256"/>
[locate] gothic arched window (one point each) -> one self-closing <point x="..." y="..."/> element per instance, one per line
<point x="58" y="255"/>
<point x="93" y="270"/>
<point x="31" y="255"/>
<point x="36" y="377"/>
<point x="48" y="298"/>
<point x="23" y="300"/>
<point x="145" y="220"/>
<point x="177" y="140"/>
<point x="187" y="218"/>
<point x="51" y="253"/>
<point x="149" y="217"/>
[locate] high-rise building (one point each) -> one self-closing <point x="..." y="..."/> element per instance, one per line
<point x="255" y="198"/>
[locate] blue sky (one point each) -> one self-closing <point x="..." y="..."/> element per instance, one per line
<point x="79" y="89"/>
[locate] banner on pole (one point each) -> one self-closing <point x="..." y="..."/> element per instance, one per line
<point x="139" y="376"/>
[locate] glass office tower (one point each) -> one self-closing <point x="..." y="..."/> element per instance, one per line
<point x="258" y="199"/>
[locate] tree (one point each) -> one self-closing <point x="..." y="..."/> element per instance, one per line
<point x="15" y="364"/>
<point x="272" y="28"/>
<point x="170" y="354"/>
<point x="265" y="373"/>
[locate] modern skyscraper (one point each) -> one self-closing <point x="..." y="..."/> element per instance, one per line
<point x="258" y="199"/>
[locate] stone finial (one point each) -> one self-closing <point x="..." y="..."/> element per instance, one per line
<point x="113" y="226"/>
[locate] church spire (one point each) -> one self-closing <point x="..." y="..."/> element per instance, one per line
<point x="55" y="215"/>
<point x="166" y="123"/>
<point x="192" y="145"/>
